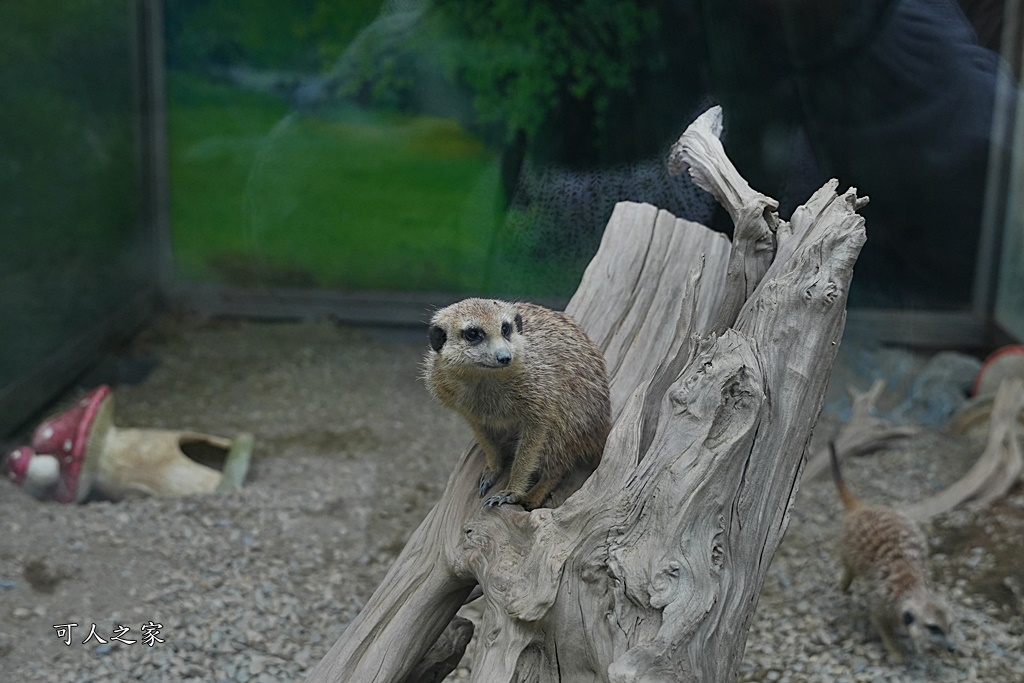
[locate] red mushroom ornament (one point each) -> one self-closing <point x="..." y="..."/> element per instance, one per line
<point x="80" y="451"/>
<point x="71" y="436"/>
<point x="37" y="472"/>
<point x="974" y="416"/>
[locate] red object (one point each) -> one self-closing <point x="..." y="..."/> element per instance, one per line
<point x="66" y="436"/>
<point x="17" y="464"/>
<point x="995" y="355"/>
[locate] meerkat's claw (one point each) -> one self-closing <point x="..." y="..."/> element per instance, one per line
<point x="486" y="482"/>
<point x="502" y="498"/>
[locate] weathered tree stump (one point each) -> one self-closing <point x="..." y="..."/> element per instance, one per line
<point x="652" y="569"/>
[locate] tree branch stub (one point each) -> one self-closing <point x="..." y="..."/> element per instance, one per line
<point x="754" y="216"/>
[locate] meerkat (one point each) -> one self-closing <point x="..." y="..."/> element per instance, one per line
<point x="532" y="386"/>
<point x="889" y="551"/>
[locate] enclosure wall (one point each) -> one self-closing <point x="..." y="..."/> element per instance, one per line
<point x="77" y="256"/>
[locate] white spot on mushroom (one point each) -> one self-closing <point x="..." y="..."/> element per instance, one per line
<point x="67" y="444"/>
<point x="48" y="433"/>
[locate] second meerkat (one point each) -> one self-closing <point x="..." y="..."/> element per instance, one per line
<point x="532" y="386"/>
<point x="889" y="551"/>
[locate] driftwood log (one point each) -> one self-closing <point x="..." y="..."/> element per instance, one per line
<point x="863" y="433"/>
<point x="997" y="470"/>
<point x="651" y="571"/>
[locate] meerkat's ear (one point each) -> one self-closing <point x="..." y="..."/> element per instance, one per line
<point x="437" y="337"/>
<point x="519" y="323"/>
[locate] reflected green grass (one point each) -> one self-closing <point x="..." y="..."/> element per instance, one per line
<point x="349" y="200"/>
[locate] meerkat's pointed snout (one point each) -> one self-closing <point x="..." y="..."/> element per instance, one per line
<point x="503" y="356"/>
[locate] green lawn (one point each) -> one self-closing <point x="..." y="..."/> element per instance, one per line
<point x="357" y="200"/>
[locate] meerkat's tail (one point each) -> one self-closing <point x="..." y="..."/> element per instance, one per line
<point x="850" y="501"/>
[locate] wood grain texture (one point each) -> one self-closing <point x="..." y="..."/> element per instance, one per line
<point x="650" y="571"/>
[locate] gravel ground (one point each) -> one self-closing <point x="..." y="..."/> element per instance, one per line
<point x="350" y="455"/>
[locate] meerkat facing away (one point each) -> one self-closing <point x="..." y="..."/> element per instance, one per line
<point x="889" y="551"/>
<point x="531" y="385"/>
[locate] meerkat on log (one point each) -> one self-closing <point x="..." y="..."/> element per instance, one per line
<point x="532" y="386"/>
<point x="889" y="551"/>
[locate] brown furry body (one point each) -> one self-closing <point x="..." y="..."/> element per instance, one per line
<point x="889" y="551"/>
<point x="531" y="385"/>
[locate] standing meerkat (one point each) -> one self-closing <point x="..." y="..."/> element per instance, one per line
<point x="531" y="385"/>
<point x="890" y="552"/>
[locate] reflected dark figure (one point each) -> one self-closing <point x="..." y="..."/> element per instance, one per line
<point x="895" y="98"/>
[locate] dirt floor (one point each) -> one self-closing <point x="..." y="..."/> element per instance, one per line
<point x="350" y="455"/>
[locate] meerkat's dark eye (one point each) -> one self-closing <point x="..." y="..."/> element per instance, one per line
<point x="936" y="630"/>
<point x="506" y="330"/>
<point x="474" y="335"/>
<point x="908" y="618"/>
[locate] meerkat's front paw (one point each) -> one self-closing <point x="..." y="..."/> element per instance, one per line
<point x="505" y="497"/>
<point x="486" y="482"/>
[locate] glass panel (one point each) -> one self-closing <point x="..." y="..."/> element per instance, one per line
<point x="73" y="243"/>
<point x="360" y="146"/>
<point x="1009" y="311"/>
<point x="896" y="98"/>
<point x="480" y="147"/>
